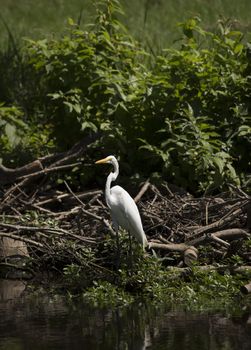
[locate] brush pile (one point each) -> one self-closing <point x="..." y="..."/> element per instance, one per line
<point x="52" y="228"/>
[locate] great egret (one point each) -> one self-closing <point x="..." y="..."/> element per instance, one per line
<point x="124" y="211"/>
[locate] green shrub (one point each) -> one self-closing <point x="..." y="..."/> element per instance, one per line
<point x="183" y="116"/>
<point x="199" y="97"/>
<point x="86" y="76"/>
<point x="12" y="128"/>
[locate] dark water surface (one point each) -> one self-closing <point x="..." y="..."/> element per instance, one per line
<point x="43" y="321"/>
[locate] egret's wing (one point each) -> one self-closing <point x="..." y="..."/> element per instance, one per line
<point x="119" y="205"/>
<point x="125" y="212"/>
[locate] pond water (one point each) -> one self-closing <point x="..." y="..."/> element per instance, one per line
<point x="44" y="321"/>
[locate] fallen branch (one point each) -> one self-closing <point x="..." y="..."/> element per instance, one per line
<point x="178" y="247"/>
<point x="8" y="175"/>
<point x="219" y="236"/>
<point x="48" y="171"/>
<point x="67" y="196"/>
<point x="219" y="240"/>
<point x="190" y="253"/>
<point x="232" y="234"/>
<point x="91" y="214"/>
<point x="33" y="228"/>
<point x="222" y="222"/>
<point x="25" y="180"/>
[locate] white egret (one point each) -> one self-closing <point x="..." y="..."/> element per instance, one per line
<point x="124" y="211"/>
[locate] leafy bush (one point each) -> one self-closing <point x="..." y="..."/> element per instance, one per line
<point x="184" y="115"/>
<point x="20" y="141"/>
<point x="11" y="128"/>
<point x="199" y="97"/>
<point x="105" y="294"/>
<point x="86" y="76"/>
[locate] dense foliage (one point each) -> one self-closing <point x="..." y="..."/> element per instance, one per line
<point x="146" y="278"/>
<point x="183" y="115"/>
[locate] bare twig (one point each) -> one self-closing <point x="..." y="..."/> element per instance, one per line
<point x="97" y="217"/>
<point x="142" y="191"/>
<point x="222" y="222"/>
<point x="49" y="170"/>
<point x="219" y="240"/>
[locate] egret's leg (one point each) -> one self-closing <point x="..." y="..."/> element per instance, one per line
<point x="116" y="228"/>
<point x="118" y="251"/>
<point x="130" y="252"/>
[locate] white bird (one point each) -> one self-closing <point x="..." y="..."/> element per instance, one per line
<point x="124" y="211"/>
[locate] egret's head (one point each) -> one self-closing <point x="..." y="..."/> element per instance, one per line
<point x="108" y="160"/>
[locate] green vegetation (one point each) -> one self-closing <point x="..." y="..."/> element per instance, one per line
<point x="181" y="116"/>
<point x="196" y="294"/>
<point x="147" y="279"/>
<point x="197" y="290"/>
<point x="184" y="114"/>
<point x="152" y="22"/>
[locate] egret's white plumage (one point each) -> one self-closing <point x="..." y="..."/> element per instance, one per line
<point x="124" y="211"/>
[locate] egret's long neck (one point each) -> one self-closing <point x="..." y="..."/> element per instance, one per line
<point x="111" y="177"/>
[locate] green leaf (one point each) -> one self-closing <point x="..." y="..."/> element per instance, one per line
<point x="89" y="125"/>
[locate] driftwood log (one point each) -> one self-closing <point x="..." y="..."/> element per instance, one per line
<point x="8" y="176"/>
<point x="41" y="166"/>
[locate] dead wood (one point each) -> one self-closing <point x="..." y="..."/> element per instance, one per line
<point x="232" y="234"/>
<point x="8" y="175"/>
<point x="67" y="157"/>
<point x="190" y="255"/>
<point x="235" y="211"/>
<point x="61" y="225"/>
<point x="142" y="191"/>
<point x="68" y="197"/>
<point x="179" y="247"/>
<point x="45" y="164"/>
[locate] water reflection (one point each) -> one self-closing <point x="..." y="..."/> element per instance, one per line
<point x="42" y="321"/>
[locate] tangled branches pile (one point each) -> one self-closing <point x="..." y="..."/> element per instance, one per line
<point x="58" y="228"/>
<point x="182" y="221"/>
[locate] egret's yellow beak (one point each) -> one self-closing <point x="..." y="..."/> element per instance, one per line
<point x="102" y="161"/>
